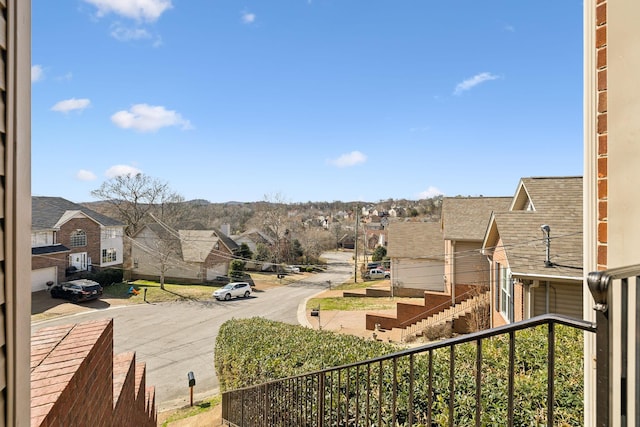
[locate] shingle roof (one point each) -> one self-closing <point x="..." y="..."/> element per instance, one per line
<point x="524" y="242"/>
<point x="558" y="204"/>
<point x="51" y="249"/>
<point x="548" y="193"/>
<point x="46" y="211"/>
<point x="415" y="240"/>
<point x="466" y="218"/>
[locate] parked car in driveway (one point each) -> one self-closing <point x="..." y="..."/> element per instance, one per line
<point x="377" y="274"/>
<point x="230" y="290"/>
<point x="77" y="290"/>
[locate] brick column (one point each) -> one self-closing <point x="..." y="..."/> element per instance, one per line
<point x="601" y="123"/>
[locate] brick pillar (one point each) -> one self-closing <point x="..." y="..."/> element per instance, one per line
<point x="601" y="123"/>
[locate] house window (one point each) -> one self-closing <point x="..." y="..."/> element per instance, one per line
<point x="42" y="239"/>
<point x="506" y="293"/>
<point x="78" y="238"/>
<point x="108" y="255"/>
<point x="108" y="233"/>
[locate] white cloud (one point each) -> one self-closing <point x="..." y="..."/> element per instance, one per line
<point x="510" y="28"/>
<point x="71" y="104"/>
<point x="148" y="118"/>
<point x="140" y="10"/>
<point x="119" y="170"/>
<point x="429" y="193"/>
<point x="85" y="175"/>
<point x="37" y="73"/>
<point x="474" y="81"/>
<point x="248" y="18"/>
<point x="349" y="159"/>
<point x="122" y="33"/>
<point x="65" y="77"/>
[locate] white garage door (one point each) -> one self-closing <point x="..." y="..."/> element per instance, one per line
<point x="40" y="277"/>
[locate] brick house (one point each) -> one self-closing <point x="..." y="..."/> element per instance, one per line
<point x="535" y="251"/>
<point x="185" y="256"/>
<point x="67" y="237"/>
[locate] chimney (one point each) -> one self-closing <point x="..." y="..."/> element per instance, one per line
<point x="226" y="229"/>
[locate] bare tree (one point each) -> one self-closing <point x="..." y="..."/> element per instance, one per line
<point x="134" y="196"/>
<point x="161" y="245"/>
<point x="275" y="223"/>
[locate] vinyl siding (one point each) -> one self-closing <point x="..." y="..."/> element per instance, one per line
<point x="564" y="298"/>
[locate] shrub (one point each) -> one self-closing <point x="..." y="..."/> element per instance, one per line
<point x="106" y="277"/>
<point x="253" y="351"/>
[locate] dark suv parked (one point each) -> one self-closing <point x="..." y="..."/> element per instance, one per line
<point x="77" y="290"/>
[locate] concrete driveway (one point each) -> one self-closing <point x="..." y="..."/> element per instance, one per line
<point x="176" y="338"/>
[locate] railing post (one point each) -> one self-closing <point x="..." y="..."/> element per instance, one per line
<point x="551" y="359"/>
<point x="599" y="286"/>
<point x="321" y="397"/>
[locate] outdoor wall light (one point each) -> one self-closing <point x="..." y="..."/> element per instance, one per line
<point x="547" y="242"/>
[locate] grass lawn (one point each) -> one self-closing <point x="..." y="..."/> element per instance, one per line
<point x="167" y="418"/>
<point x="358" y="303"/>
<point x="171" y="292"/>
<point x="180" y="292"/>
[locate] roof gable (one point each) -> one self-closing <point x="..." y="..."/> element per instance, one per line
<point x="546" y="193"/>
<point x="197" y="244"/>
<point x="554" y="201"/>
<point x="47" y="213"/>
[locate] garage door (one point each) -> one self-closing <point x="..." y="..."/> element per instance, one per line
<point x="40" y="277"/>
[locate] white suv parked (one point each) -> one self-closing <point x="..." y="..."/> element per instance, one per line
<point x="234" y="289"/>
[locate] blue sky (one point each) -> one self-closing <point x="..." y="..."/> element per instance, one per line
<point x="312" y="100"/>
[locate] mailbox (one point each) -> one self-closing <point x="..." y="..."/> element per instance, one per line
<point x="192" y="379"/>
<point x="315" y="312"/>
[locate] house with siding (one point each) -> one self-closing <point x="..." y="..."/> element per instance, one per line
<point x="415" y="250"/>
<point x="464" y="222"/>
<point x="252" y="238"/>
<point x="535" y="251"/>
<point x="186" y="256"/>
<point x="67" y="237"/>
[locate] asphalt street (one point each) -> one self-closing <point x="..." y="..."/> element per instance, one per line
<point x="176" y="338"/>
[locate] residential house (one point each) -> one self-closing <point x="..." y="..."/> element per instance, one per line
<point x="446" y="255"/>
<point x="464" y="222"/>
<point x="67" y="237"/>
<point x="252" y="238"/>
<point x="185" y="256"/>
<point x="535" y="251"/>
<point x="417" y="259"/>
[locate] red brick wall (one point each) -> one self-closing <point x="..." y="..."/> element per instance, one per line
<point x="93" y="237"/>
<point x="434" y="302"/>
<point x="71" y="385"/>
<point x="77" y="381"/>
<point x="602" y="131"/>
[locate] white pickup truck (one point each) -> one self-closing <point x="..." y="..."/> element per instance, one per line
<point x="377" y="274"/>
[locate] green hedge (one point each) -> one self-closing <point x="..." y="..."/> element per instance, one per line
<point x="254" y="351"/>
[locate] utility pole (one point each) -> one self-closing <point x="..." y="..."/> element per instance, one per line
<point x="355" y="265"/>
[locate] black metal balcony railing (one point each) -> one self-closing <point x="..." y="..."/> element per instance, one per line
<point x="386" y="391"/>
<point x="614" y="396"/>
